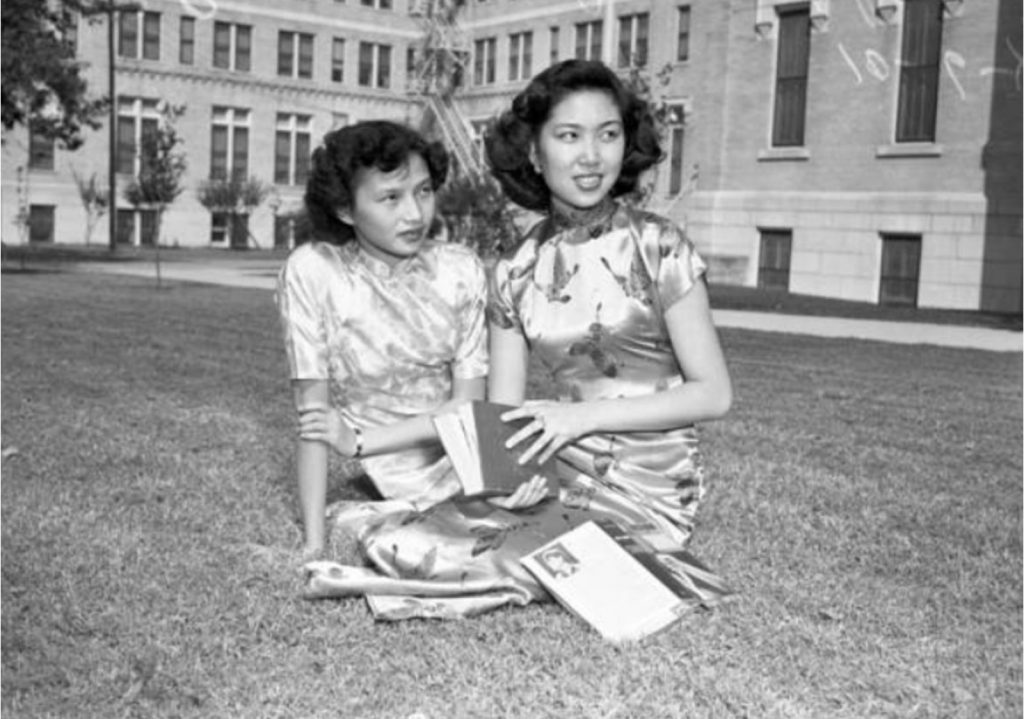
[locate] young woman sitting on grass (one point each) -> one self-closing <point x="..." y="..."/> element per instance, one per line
<point x="383" y="327"/>
<point x="610" y="300"/>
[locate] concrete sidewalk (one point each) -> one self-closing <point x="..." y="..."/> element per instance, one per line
<point x="262" y="274"/>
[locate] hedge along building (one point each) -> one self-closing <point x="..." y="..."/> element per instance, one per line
<point x="867" y="150"/>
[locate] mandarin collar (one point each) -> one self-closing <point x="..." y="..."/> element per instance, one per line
<point x="378" y="267"/>
<point x="575" y="226"/>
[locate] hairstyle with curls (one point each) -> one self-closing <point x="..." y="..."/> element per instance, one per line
<point x="508" y="141"/>
<point x="378" y="144"/>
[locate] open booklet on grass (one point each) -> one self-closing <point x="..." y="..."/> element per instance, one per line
<point x="473" y="436"/>
<point x="619" y="585"/>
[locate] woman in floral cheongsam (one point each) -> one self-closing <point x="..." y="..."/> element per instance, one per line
<point x="609" y="300"/>
<point x="384" y="327"/>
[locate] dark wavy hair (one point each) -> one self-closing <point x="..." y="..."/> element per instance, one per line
<point x="508" y="141"/>
<point x="379" y="144"/>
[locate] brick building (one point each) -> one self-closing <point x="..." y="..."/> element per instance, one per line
<point x="863" y="149"/>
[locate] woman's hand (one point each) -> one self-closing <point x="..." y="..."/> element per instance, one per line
<point x="553" y="425"/>
<point x="526" y="495"/>
<point x="324" y="424"/>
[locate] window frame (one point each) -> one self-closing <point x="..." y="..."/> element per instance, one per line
<point x="187" y="40"/>
<point x="520" y="55"/>
<point x="683" y="33"/>
<point x="792" y="66"/>
<point x="592" y="34"/>
<point x="634" y="48"/>
<point x="236" y="124"/>
<point x="917" y="99"/>
<point x="775" y="258"/>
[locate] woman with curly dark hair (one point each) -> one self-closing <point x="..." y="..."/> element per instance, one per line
<point x="383" y="324"/>
<point x="384" y="328"/>
<point x="610" y="299"/>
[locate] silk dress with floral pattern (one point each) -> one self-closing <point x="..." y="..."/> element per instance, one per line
<point x="590" y="302"/>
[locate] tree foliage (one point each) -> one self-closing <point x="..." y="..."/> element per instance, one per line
<point x="161" y="165"/>
<point x="94" y="199"/>
<point x="42" y="84"/>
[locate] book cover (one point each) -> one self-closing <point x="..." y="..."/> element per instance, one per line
<point x="619" y="586"/>
<point x="474" y="435"/>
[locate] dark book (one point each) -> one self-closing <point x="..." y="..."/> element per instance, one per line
<point x="474" y="435"/>
<point x="618" y="584"/>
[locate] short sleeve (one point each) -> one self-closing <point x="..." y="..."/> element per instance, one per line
<point x="680" y="266"/>
<point x="501" y="310"/>
<point x="300" y="306"/>
<point x="471" y="353"/>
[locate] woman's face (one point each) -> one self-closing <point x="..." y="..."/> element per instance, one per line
<point x="392" y="212"/>
<point x="580" y="147"/>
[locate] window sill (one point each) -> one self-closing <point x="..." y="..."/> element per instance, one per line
<point x="782" y="154"/>
<point x="909" y="149"/>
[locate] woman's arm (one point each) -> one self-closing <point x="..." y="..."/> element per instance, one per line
<point x="322" y="424"/>
<point x="311" y="465"/>
<point x="510" y="357"/>
<point x="705" y="394"/>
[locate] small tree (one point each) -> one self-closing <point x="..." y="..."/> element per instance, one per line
<point x="161" y="168"/>
<point x="477" y="214"/>
<point x="94" y="199"/>
<point x="236" y="197"/>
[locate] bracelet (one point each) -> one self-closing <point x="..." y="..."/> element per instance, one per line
<point x="359" y="443"/>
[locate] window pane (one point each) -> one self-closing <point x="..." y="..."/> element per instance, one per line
<point x="282" y="157"/>
<point x="147" y="227"/>
<point x="683" y="49"/>
<point x="625" y="40"/>
<point x="675" y="177"/>
<point x="186" y="50"/>
<point x="383" y="66"/>
<point x="581" y="41"/>
<point x="302" y="153"/>
<point x="125" y="227"/>
<point x="338" y="60"/>
<point x="40" y="152"/>
<point x="527" y="55"/>
<point x="128" y="40"/>
<point x="219" y="153"/>
<point x="240" y="153"/>
<point x="492" y="60"/>
<point x="642" y="22"/>
<point x="919" y="71"/>
<point x="40" y="223"/>
<point x="305" y="55"/>
<point x="285" y="45"/>
<point x="365" y="64"/>
<point x="596" y="40"/>
<point x="791" y="77"/>
<point x="151" y="36"/>
<point x="901" y="261"/>
<point x="243" y="47"/>
<point x="773" y="267"/>
<point x="222" y="45"/>
<point x="126" y="145"/>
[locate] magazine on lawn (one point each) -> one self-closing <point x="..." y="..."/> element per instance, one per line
<point x="620" y="586"/>
<point x="473" y="436"/>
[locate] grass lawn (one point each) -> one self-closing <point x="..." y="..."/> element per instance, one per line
<point x="865" y="498"/>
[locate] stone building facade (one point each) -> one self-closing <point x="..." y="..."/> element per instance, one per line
<point x="867" y="150"/>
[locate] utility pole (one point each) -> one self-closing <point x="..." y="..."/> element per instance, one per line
<point x="111" y="11"/>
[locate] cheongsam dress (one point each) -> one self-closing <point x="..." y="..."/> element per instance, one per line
<point x="590" y="303"/>
<point x="389" y="341"/>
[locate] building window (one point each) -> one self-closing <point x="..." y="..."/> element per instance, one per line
<point x="773" y="266"/>
<point x="229" y="145"/>
<point x="292" y="45"/>
<point x="633" y="33"/>
<point x="676" y="134"/>
<point x="338" y="60"/>
<point x="218" y="227"/>
<point x="791" y="76"/>
<point x="291" y="149"/>
<point x="374" y="65"/>
<point x="40" y="151"/>
<point x="379" y="4"/>
<point x="484" y="59"/>
<point x="919" y="71"/>
<point x="683" y="41"/>
<point x="136" y="118"/>
<point x="520" y="55"/>
<point x="128" y="45"/>
<point x="187" y="41"/>
<point x="901" y="265"/>
<point x="232" y="46"/>
<point x="125" y="227"/>
<point x="283" y="229"/>
<point x="553" y="55"/>
<point x="588" y="40"/>
<point x="147" y="227"/>
<point x="410" y="65"/>
<point x="40" y="223"/>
